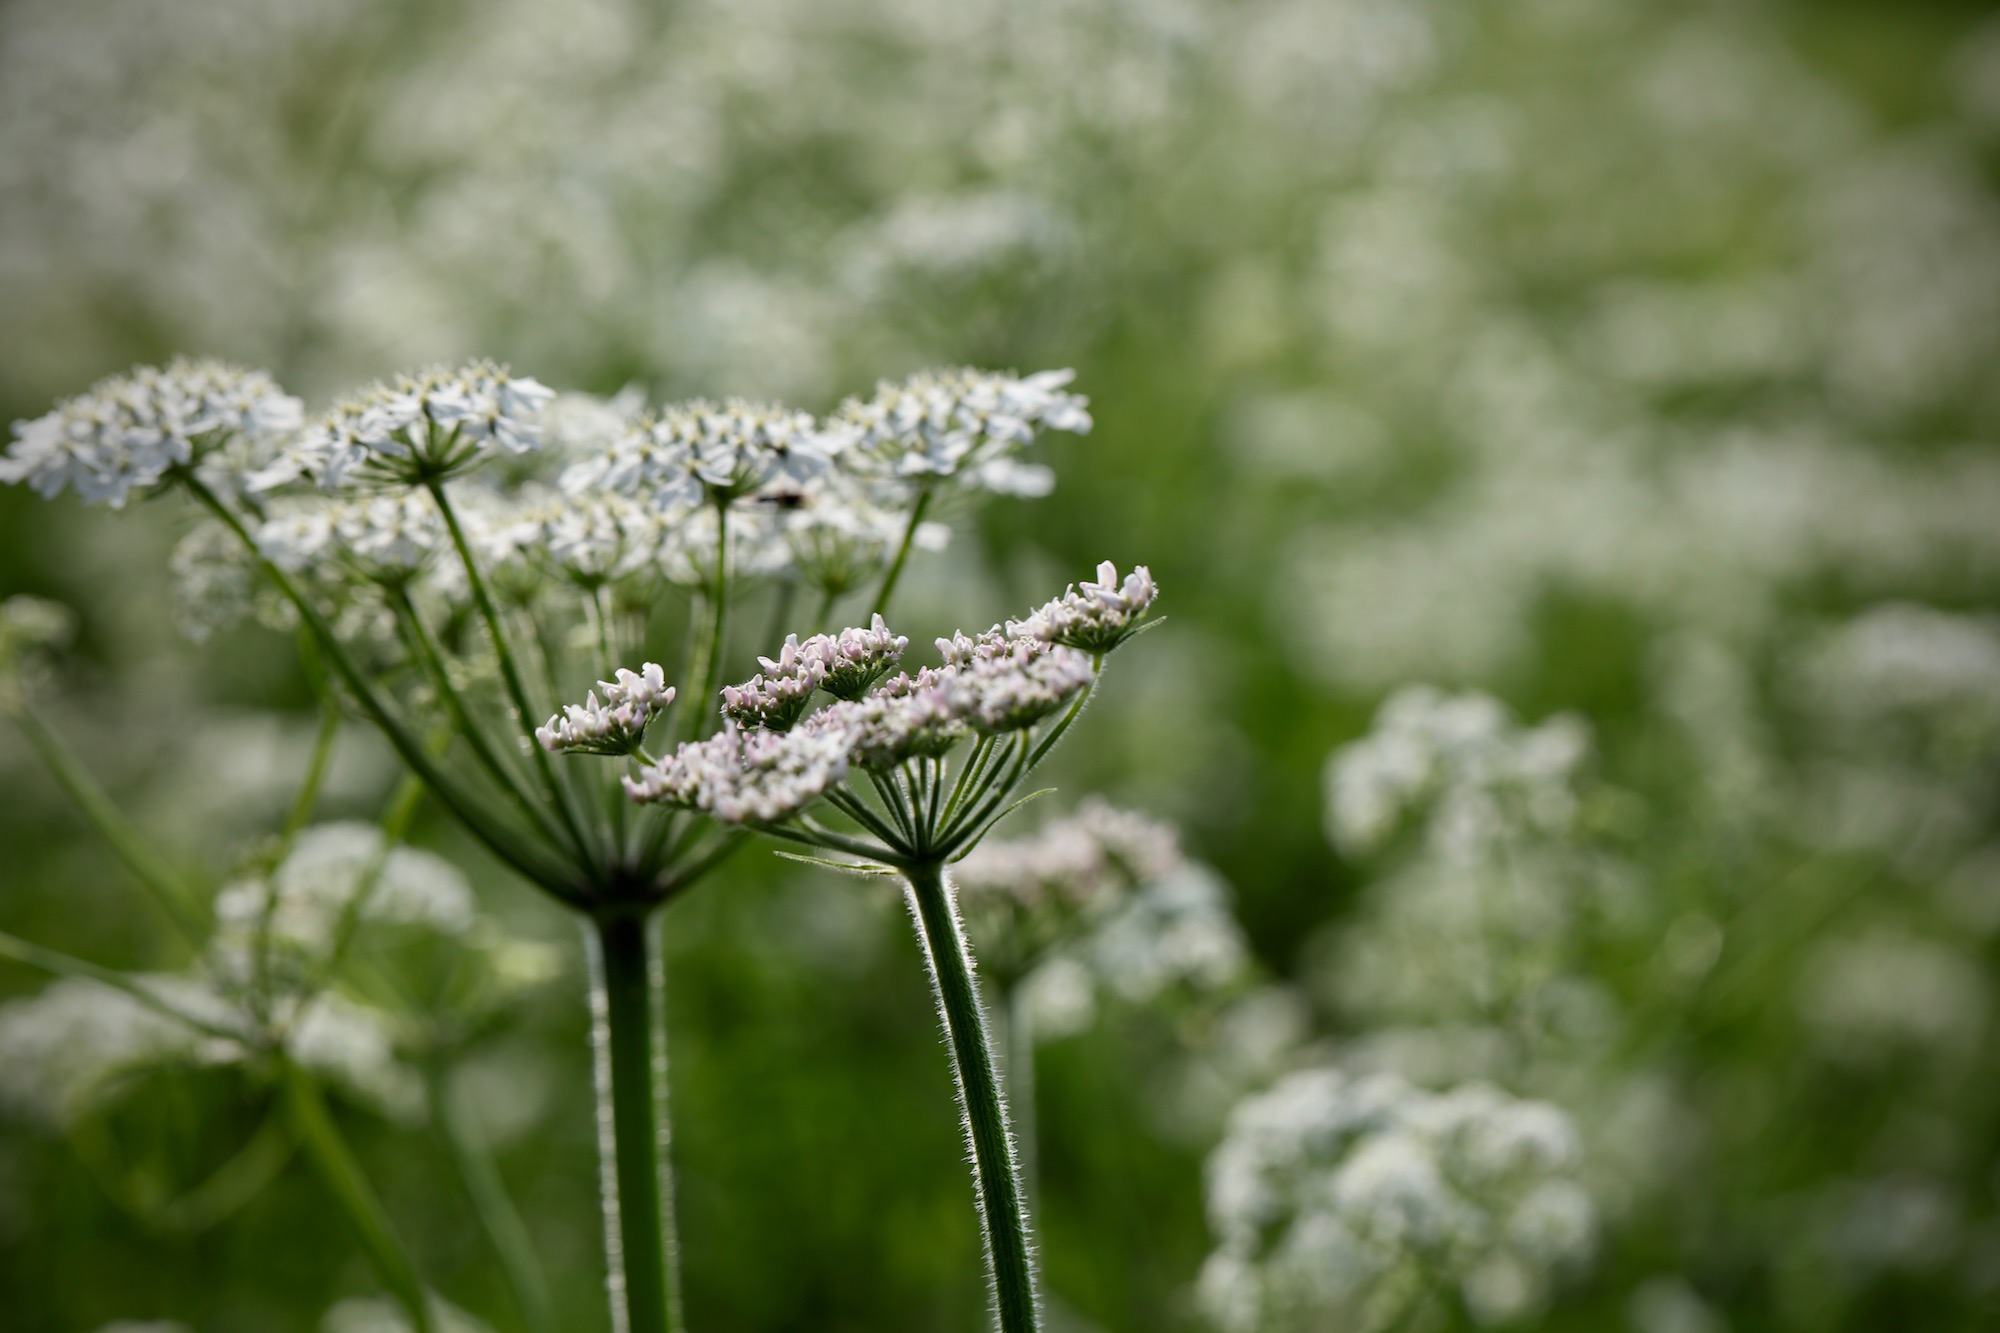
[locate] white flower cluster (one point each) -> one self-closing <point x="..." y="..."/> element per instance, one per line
<point x="1350" y="1202"/>
<point x="29" y="627"/>
<point x="290" y="919"/>
<point x="385" y="538"/>
<point x="960" y="423"/>
<point x="417" y="428"/>
<point x="1015" y="690"/>
<point x="754" y="776"/>
<point x="1094" y="617"/>
<point x="79" y="1043"/>
<point x="1174" y="933"/>
<point x="617" y="726"/>
<point x="591" y="537"/>
<point x="845" y="665"/>
<point x="1078" y="860"/>
<point x="849" y="663"/>
<point x="64" y="1048"/>
<point x="726" y="450"/>
<point x="1464" y="760"/>
<point x="842" y="531"/>
<point x="128" y="431"/>
<point x="1912" y="660"/>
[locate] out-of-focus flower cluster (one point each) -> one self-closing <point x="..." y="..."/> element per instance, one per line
<point x="272" y="971"/>
<point x="1365" y="1203"/>
<point x="127" y="431"/>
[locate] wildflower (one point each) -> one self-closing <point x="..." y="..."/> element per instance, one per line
<point x="909" y="717"/>
<point x="1462" y="760"/>
<point x="62" y="1049"/>
<point x="1015" y="690"/>
<point x="848" y="663"/>
<point x="1079" y="860"/>
<point x="417" y="429"/>
<point x="772" y="703"/>
<point x="616" y="726"/>
<point x="385" y="539"/>
<point x="1095" y="617"/>
<point x="128" y="431"/>
<point x="964" y="423"/>
<point x="842" y="528"/>
<point x="1330" y="1194"/>
<point x="754" y="776"/>
<point x="722" y="450"/>
<point x="29" y="628"/>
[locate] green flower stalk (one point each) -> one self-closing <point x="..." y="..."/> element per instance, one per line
<point x="916" y="770"/>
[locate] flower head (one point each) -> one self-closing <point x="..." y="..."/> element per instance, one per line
<point x="849" y="662"/>
<point x="418" y="428"/>
<point x="774" y="701"/>
<point x="743" y="776"/>
<point x="723" y="450"/>
<point x="126" y="432"/>
<point x="909" y="717"/>
<point x="1016" y="689"/>
<point x="1095" y="617"/>
<point x="963" y="423"/>
<point x="617" y="726"/>
<point x="384" y="539"/>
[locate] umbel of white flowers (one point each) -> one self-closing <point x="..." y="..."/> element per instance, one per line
<point x="450" y="555"/>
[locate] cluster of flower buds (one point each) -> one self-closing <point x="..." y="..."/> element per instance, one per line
<point x="942" y="423"/>
<point x="617" y="726"/>
<point x="773" y="701"/>
<point x="753" y="776"/>
<point x="910" y="717"/>
<point x="1015" y="690"/>
<point x="845" y="665"/>
<point x="1095" y="617"/>
<point x="419" y="428"/>
<point x="127" y="431"/>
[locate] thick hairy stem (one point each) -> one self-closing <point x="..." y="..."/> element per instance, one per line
<point x="352" y="1192"/>
<point x="633" y="1138"/>
<point x="494" y="1207"/>
<point x="895" y="574"/>
<point x="1003" y="1213"/>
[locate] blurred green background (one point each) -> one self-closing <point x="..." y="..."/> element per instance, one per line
<point x="1604" y="357"/>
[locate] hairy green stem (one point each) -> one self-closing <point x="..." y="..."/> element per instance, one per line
<point x="1003" y="1213"/>
<point x="161" y="880"/>
<point x="895" y="574"/>
<point x="633" y="1137"/>
<point x="491" y="1204"/>
<point x="350" y="1189"/>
